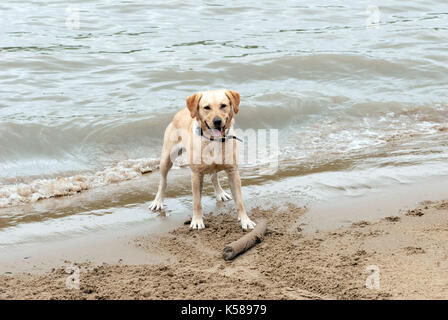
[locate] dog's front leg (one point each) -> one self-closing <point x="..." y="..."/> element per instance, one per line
<point x="196" y="186"/>
<point x="235" y="187"/>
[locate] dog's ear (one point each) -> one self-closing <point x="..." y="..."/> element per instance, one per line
<point x="234" y="98"/>
<point x="193" y="103"/>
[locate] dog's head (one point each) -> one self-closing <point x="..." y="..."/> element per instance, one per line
<point x="214" y="109"/>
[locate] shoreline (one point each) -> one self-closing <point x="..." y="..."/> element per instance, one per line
<point x="113" y="242"/>
<point x="410" y="248"/>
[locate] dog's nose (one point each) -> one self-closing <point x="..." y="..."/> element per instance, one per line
<point x="217" y="122"/>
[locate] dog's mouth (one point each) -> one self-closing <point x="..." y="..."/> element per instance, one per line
<point x="215" y="132"/>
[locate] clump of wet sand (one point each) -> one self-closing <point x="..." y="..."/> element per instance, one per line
<point x="410" y="254"/>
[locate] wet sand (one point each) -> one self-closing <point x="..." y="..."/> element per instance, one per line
<point x="408" y="248"/>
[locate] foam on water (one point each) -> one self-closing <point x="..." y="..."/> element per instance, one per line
<point x="22" y="193"/>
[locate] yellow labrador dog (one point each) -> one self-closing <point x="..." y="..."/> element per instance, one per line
<point x="204" y="130"/>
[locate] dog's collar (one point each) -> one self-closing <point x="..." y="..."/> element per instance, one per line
<point x="200" y="132"/>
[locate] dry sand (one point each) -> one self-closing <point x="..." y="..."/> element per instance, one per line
<point x="410" y="250"/>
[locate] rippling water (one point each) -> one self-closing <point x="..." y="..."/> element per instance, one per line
<point x="86" y="107"/>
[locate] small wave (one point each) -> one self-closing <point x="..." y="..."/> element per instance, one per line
<point x="24" y="193"/>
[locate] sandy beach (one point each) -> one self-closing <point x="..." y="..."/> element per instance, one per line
<point x="409" y="249"/>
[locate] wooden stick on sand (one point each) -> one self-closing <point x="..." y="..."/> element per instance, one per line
<point x="246" y="242"/>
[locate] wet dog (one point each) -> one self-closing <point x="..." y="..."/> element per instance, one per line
<point x="204" y="130"/>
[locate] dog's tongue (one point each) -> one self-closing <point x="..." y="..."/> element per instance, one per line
<point x="216" y="132"/>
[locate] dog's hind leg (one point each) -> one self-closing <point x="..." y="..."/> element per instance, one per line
<point x="221" y="195"/>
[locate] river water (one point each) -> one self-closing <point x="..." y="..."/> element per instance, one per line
<point x="356" y="89"/>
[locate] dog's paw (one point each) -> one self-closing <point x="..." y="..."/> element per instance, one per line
<point x="246" y="223"/>
<point x="223" y="196"/>
<point x="197" y="223"/>
<point x="156" y="205"/>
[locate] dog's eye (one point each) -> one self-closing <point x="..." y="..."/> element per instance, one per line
<point x="207" y="108"/>
<point x="223" y="106"/>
